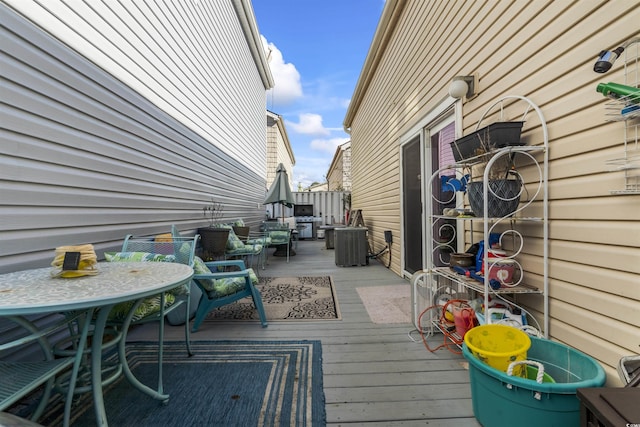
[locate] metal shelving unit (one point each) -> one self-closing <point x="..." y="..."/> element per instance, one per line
<point x="438" y="279"/>
<point x="627" y="111"/>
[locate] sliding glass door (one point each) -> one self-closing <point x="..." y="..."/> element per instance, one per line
<point x="423" y="154"/>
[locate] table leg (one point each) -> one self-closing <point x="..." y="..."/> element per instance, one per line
<point x="96" y="361"/>
<point x="96" y="365"/>
<point x="156" y="394"/>
<point x="83" y="323"/>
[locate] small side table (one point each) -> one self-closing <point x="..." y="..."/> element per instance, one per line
<point x="609" y="407"/>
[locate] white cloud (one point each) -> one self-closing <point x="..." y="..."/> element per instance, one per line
<point x="314" y="170"/>
<point x="309" y="124"/>
<point x="287" y="87"/>
<point x="327" y="145"/>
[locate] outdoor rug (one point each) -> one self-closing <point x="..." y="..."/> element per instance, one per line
<point x="387" y="304"/>
<point x="286" y="298"/>
<point x="225" y="383"/>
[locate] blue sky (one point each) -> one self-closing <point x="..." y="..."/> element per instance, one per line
<point x="317" y="48"/>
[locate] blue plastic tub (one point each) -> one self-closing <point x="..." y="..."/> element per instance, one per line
<point x="502" y="400"/>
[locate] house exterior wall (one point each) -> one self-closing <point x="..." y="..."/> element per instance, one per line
<point x="278" y="149"/>
<point x="339" y="174"/>
<point x="544" y="50"/>
<point x="334" y="177"/>
<point x="125" y="117"/>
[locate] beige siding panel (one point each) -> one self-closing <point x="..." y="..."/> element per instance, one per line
<point x="569" y="142"/>
<point x="590" y="331"/>
<point x="621" y="312"/>
<point x="580" y="186"/>
<point x="604" y="232"/>
<point x="606" y="353"/>
<point x="591" y="163"/>
<point x="621" y="283"/>
<point x="600" y="208"/>
<point x="613" y="257"/>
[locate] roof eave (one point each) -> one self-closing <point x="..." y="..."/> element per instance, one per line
<point x="247" y="19"/>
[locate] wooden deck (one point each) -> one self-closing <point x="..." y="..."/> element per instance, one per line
<point x="374" y="375"/>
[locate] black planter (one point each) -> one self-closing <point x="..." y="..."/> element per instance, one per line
<point x="213" y="241"/>
<point x="503" y="195"/>
<point x="242" y="232"/>
<point x="496" y="135"/>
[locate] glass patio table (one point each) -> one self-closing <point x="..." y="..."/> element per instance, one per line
<point x="36" y="292"/>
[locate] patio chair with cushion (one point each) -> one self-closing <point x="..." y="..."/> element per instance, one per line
<point x="260" y="238"/>
<point x="249" y="249"/>
<point x="177" y="301"/>
<point x="224" y="282"/>
<point x="279" y="236"/>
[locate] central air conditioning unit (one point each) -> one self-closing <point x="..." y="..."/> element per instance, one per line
<point x="351" y="247"/>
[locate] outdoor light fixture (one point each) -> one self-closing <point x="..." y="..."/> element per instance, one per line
<point x="463" y="86"/>
<point x="608" y="57"/>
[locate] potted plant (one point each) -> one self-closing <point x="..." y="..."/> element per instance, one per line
<point x="213" y="238"/>
<point x="496" y="135"/>
<point x="503" y="194"/>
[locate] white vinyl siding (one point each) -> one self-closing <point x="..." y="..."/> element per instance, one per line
<point x="107" y="133"/>
<point x="544" y="50"/>
<point x="190" y="59"/>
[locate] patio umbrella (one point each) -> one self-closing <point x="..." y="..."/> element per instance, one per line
<point x="280" y="192"/>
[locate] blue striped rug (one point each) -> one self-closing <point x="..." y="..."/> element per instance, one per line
<point x="225" y="383"/>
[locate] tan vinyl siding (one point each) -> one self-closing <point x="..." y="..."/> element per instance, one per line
<point x="86" y="158"/>
<point x="544" y="50"/>
<point x="339" y="174"/>
<point x="278" y="149"/>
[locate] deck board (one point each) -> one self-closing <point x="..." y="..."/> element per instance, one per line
<point x="373" y="374"/>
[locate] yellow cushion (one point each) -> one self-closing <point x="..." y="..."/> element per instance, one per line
<point x="166" y="237"/>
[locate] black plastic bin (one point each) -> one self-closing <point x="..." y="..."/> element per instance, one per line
<point x="495" y="135"/>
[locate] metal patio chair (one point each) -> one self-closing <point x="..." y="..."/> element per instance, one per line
<point x="176" y="301"/>
<point x="248" y="248"/>
<point x="21" y="377"/>
<point x="279" y="236"/>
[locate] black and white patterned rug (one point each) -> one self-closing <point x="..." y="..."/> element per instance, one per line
<point x="286" y="298"/>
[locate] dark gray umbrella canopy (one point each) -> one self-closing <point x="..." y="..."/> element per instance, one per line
<point x="280" y="192"/>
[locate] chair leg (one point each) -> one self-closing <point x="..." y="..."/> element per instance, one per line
<point x="187" y="331"/>
<point x="257" y="301"/>
<point x="201" y="313"/>
<point x="161" y="342"/>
